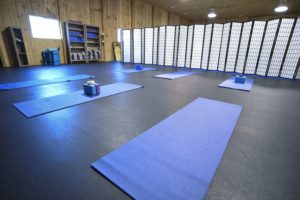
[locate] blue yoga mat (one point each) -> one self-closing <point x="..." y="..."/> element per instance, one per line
<point x="23" y="84"/>
<point x="177" y="158"/>
<point x="174" y="75"/>
<point x="229" y="83"/>
<point x="45" y="105"/>
<point x="135" y="71"/>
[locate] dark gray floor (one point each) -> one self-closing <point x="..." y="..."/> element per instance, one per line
<point x="49" y="157"/>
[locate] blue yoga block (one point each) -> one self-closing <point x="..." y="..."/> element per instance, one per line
<point x="138" y="67"/>
<point x="240" y="79"/>
<point x="91" y="89"/>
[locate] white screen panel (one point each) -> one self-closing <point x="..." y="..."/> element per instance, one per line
<point x="197" y="46"/>
<point x="148" y="45"/>
<point x="215" y="46"/>
<point x="170" y="45"/>
<point x="137" y="45"/>
<point x="161" y="45"/>
<point x="224" y="45"/>
<point x="293" y="54"/>
<point x="126" y="39"/>
<point x="182" y="46"/>
<point x="204" y="64"/>
<point x="280" y="46"/>
<point x="254" y="48"/>
<point x="243" y="47"/>
<point x="143" y="46"/>
<point x="233" y="46"/>
<point x="175" y="45"/>
<point x="267" y="47"/>
<point x="189" y="46"/>
<point x="155" y="41"/>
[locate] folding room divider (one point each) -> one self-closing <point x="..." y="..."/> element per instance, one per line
<point x="267" y="48"/>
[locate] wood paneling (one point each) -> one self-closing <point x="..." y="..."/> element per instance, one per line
<point x="174" y="19"/>
<point x="185" y="21"/>
<point x="109" y="15"/>
<point x="141" y="14"/>
<point x="160" y="16"/>
<point x="15" y="13"/>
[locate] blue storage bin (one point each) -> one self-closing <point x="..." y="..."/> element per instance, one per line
<point x="91" y="35"/>
<point x="75" y="33"/>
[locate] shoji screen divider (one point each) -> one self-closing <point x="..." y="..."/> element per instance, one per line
<point x="197" y="47"/>
<point x="244" y="46"/>
<point x="255" y="46"/>
<point x="170" y="45"/>
<point x="234" y="42"/>
<point x="206" y="46"/>
<point x="148" y="50"/>
<point x="215" y="46"/>
<point x="280" y="47"/>
<point x="189" y="45"/>
<point x="126" y="39"/>
<point x="161" y="45"/>
<point x="175" y="53"/>
<point x="287" y="48"/>
<point x="182" y="43"/>
<point x="292" y="59"/>
<point x="224" y="46"/>
<point x="155" y="45"/>
<point x="268" y="42"/>
<point x="267" y="48"/>
<point x="137" y="46"/>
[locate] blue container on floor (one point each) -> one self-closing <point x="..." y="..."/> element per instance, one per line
<point x="138" y="67"/>
<point x="240" y="79"/>
<point x="51" y="57"/>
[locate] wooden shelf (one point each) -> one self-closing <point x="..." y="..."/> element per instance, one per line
<point x="75" y="48"/>
<point x="76" y="29"/>
<point x="16" y="46"/>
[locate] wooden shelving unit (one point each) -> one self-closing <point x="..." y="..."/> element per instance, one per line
<point x="16" y="46"/>
<point x="83" y="42"/>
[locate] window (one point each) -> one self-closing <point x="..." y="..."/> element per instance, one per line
<point x="119" y="35"/>
<point x="45" y="28"/>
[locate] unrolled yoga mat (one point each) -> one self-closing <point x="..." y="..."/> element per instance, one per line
<point x="23" y="84"/>
<point x="178" y="157"/>
<point x="45" y="105"/>
<point x="174" y="75"/>
<point x="135" y="71"/>
<point x="229" y="83"/>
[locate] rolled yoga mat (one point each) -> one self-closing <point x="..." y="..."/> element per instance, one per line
<point x="174" y="75"/>
<point x="45" y="105"/>
<point x="135" y="71"/>
<point x="230" y="83"/>
<point x="178" y="157"/>
<point x="24" y="84"/>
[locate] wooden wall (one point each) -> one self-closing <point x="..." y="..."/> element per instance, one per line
<point x="107" y="14"/>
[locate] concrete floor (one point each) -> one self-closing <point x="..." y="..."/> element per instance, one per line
<point x="49" y="156"/>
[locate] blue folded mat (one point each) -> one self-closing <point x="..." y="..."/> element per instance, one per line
<point x="178" y="157"/>
<point x="230" y="83"/>
<point x="135" y="71"/>
<point x="23" y="84"/>
<point x="174" y="75"/>
<point x="45" y="105"/>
